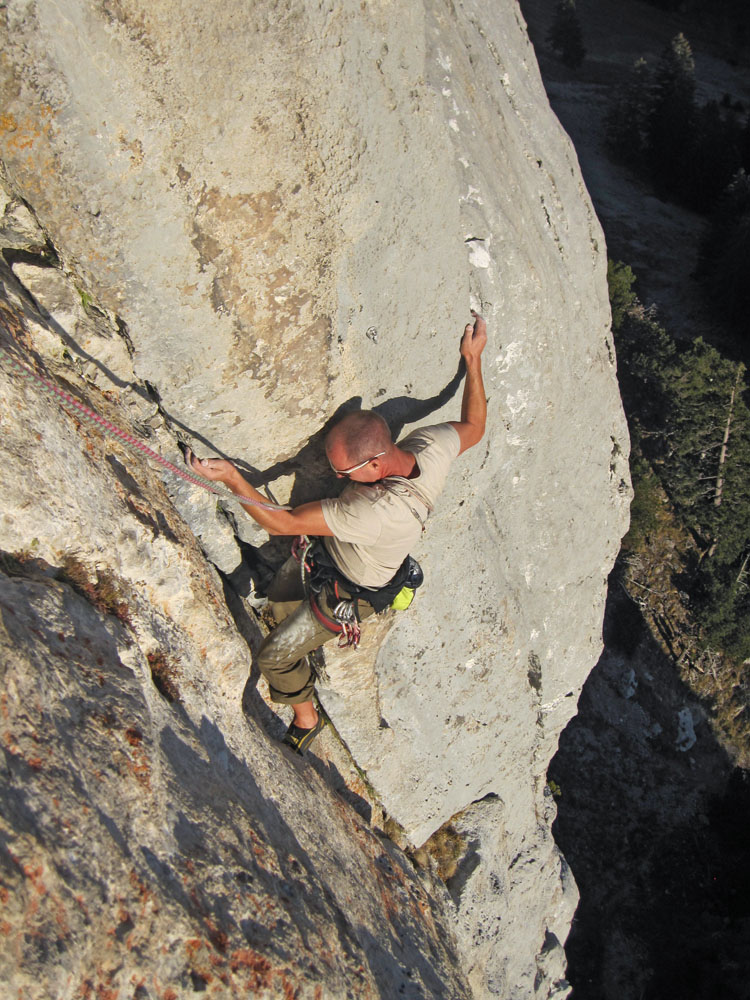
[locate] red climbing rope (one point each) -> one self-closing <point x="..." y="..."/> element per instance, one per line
<point x="88" y="414"/>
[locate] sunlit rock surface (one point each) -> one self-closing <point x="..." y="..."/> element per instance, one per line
<point x="278" y="210"/>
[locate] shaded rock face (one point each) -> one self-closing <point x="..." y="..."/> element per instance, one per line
<point x="654" y="826"/>
<point x="281" y="211"/>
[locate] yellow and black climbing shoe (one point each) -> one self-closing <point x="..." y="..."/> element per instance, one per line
<point x="300" y="739"/>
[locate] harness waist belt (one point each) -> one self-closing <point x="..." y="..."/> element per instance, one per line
<point x="324" y="570"/>
<point x="330" y="623"/>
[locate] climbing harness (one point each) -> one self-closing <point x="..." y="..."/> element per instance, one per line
<point x="80" y="409"/>
<point x="319" y="573"/>
<point x="344" y="620"/>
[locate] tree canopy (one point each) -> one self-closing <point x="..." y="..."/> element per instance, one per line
<point x="564" y="35"/>
<point x="687" y="408"/>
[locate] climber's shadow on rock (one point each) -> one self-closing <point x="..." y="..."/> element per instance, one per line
<point x="402" y="410"/>
<point x="14" y="341"/>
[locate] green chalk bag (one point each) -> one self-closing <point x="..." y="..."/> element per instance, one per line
<point x="414" y="578"/>
<point x="403" y="599"/>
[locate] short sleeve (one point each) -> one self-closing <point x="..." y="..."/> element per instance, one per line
<point x="447" y="438"/>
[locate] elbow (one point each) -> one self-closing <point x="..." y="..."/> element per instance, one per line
<point x="282" y="525"/>
<point x="470" y="432"/>
<point x="477" y="435"/>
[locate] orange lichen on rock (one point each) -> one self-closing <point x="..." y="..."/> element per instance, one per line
<point x="138" y="762"/>
<point x="192" y="947"/>
<point x="17" y="135"/>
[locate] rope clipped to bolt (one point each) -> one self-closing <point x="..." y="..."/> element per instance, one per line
<point x="69" y="402"/>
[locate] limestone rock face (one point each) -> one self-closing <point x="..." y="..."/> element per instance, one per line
<point x="157" y="841"/>
<point x="263" y="213"/>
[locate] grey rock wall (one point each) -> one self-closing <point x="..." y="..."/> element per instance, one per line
<point x="281" y="209"/>
<point x="156" y="840"/>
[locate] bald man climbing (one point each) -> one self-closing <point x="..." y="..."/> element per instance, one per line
<point x="360" y="559"/>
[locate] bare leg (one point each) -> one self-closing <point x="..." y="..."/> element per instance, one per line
<point x="305" y="715"/>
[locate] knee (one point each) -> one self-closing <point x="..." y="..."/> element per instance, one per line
<point x="275" y="654"/>
<point x="265" y="656"/>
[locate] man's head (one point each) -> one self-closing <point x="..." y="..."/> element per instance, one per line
<point x="361" y="439"/>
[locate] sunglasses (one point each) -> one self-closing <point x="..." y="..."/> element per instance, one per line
<point x="345" y="472"/>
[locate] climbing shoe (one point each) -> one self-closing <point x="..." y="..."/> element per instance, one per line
<point x="300" y="739"/>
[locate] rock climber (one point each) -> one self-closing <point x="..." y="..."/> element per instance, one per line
<point x="360" y="558"/>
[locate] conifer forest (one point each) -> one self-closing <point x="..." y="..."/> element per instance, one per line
<point x="658" y="843"/>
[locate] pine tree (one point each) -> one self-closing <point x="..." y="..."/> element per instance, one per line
<point x="705" y="415"/>
<point x="687" y="410"/>
<point x="646" y="352"/>
<point x="675" y="72"/>
<point x="626" y="124"/>
<point x="564" y="35"/>
<point x="620" y="279"/>
<point x="725" y="253"/>
<point x="672" y="119"/>
<point x="713" y="156"/>
<point x="705" y="455"/>
<point x="722" y="601"/>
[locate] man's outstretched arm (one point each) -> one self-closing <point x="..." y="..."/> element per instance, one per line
<point x="307" y="519"/>
<point x="474" y="404"/>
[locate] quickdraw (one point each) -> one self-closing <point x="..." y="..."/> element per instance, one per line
<point x="345" y="615"/>
<point x="300" y="547"/>
<point x="344" y="622"/>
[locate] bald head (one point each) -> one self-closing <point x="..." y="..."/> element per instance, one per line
<point x="360" y="435"/>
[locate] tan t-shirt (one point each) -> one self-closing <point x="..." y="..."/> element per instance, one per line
<point x="375" y="525"/>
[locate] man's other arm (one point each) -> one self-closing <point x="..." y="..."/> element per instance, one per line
<point x="474" y="404"/>
<point x="307" y="519"/>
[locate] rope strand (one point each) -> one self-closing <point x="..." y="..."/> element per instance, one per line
<point x="109" y="428"/>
